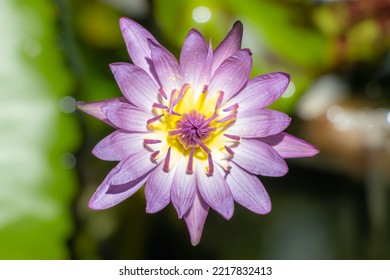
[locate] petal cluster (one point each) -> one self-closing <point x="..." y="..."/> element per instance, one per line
<point x="195" y="132"/>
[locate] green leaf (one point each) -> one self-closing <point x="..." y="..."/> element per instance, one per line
<point x="36" y="137"/>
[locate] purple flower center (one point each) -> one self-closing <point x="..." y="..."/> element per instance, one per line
<point x="193" y="129"/>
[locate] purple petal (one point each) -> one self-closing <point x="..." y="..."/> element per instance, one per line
<point x="195" y="218"/>
<point x="193" y="57"/>
<point x="289" y="146"/>
<point x="158" y="189"/>
<point x="215" y="191"/>
<point x="133" y="167"/>
<point x="259" y="158"/>
<point x="136" y="85"/>
<point x="232" y="74"/>
<point x="108" y="195"/>
<point x="119" y="145"/>
<point x="259" y="123"/>
<point x="136" y="38"/>
<point x="95" y="108"/>
<point x="205" y="75"/>
<point x="127" y="117"/>
<point x="229" y="46"/>
<point x="183" y="188"/>
<point x="248" y="191"/>
<point x="261" y="91"/>
<point x="166" y="67"/>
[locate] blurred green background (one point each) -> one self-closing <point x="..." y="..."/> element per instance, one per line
<point x="332" y="206"/>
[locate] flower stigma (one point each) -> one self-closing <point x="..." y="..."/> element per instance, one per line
<point x="192" y="125"/>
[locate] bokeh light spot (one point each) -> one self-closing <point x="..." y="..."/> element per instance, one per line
<point x="68" y="160"/>
<point x="335" y="114"/>
<point x="67" y="104"/>
<point x="289" y="91"/>
<point x="201" y="14"/>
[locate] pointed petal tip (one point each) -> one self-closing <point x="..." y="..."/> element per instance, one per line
<point x="283" y="171"/>
<point x="261" y="209"/>
<point x="237" y="28"/>
<point x="195" y="219"/>
<point x="96" y="151"/>
<point x="195" y="241"/>
<point x="227" y="210"/>
<point x="314" y="151"/>
<point x="247" y="50"/>
<point x="238" y="24"/>
<point x="125" y="21"/>
<point x="95" y="106"/>
<point x="80" y="105"/>
<point x="195" y="236"/>
<point x="114" y="65"/>
<point x="93" y="205"/>
<point x="94" y="109"/>
<point x="289" y="146"/>
<point x="152" y="208"/>
<point x="284" y="77"/>
<point x="228" y="214"/>
<point x="310" y="149"/>
<point x="287" y="75"/>
<point x="149" y="209"/>
<point x="179" y="210"/>
<point x="229" y="46"/>
<point x="265" y="208"/>
<point x="193" y="31"/>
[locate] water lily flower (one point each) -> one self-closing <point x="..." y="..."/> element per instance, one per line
<point x="195" y="132"/>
